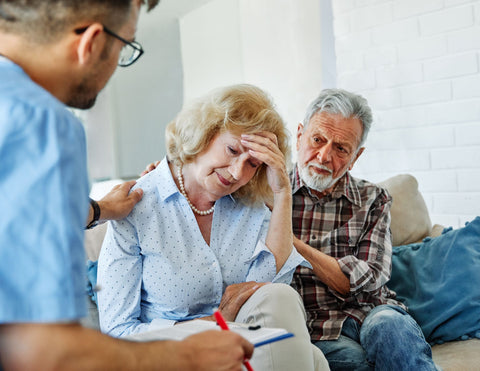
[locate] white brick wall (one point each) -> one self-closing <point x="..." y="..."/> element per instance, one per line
<point x="422" y="48"/>
<point x="466" y="39"/>
<point x="426" y="92"/>
<point x="417" y="62"/>
<point x="451" y="18"/>
<point x="451" y="66"/>
<point x="394" y="32"/>
<point x="411" y="8"/>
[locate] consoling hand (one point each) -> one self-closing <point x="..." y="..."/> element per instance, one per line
<point x="118" y="203"/>
<point x="264" y="147"/>
<point x="217" y="350"/>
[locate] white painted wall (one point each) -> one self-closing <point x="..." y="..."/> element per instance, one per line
<point x="274" y="44"/>
<point x="210" y="38"/>
<point x="417" y="62"/>
<point x="125" y="130"/>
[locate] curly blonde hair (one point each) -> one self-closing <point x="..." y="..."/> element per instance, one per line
<point x="239" y="109"/>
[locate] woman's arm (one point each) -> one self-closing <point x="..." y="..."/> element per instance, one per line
<point x="120" y="272"/>
<point x="279" y="239"/>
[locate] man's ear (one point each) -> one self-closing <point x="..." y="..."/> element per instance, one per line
<point x="90" y="44"/>
<point x="299" y="134"/>
<point x="359" y="152"/>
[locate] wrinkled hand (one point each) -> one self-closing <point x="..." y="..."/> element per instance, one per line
<point x="217" y="350"/>
<point x="118" y="203"/>
<point x="264" y="147"/>
<point x="150" y="167"/>
<point x="235" y="296"/>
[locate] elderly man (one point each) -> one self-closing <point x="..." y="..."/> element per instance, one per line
<point x="55" y="53"/>
<point x="341" y="226"/>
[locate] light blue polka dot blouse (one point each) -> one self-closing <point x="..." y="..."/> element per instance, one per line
<point x="155" y="268"/>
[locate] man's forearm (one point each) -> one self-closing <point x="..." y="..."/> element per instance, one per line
<point x="325" y="267"/>
<point x="72" y="347"/>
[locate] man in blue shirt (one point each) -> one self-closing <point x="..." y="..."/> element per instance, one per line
<point x="55" y="53"/>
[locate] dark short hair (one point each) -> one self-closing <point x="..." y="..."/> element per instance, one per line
<point x="45" y="20"/>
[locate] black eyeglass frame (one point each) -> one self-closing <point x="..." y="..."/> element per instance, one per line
<point x="135" y="45"/>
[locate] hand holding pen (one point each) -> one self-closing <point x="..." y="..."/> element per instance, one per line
<point x="223" y="325"/>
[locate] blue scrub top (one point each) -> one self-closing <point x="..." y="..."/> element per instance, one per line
<point x="43" y="199"/>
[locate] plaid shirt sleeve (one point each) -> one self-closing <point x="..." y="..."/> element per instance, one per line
<point x="369" y="269"/>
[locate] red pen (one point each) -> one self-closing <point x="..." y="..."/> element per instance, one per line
<point x="223" y="325"/>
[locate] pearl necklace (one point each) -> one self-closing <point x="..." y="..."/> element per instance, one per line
<point x="184" y="193"/>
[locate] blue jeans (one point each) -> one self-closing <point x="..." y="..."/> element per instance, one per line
<point x="389" y="339"/>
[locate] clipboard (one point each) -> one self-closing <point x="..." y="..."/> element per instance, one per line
<point x="258" y="337"/>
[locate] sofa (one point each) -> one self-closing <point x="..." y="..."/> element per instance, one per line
<point x="412" y="231"/>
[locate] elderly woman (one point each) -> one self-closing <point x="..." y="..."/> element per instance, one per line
<point x="202" y="238"/>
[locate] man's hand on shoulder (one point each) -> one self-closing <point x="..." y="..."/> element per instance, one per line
<point x="119" y="202"/>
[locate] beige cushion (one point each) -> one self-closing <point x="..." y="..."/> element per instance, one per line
<point x="458" y="355"/>
<point x="437" y="230"/>
<point x="93" y="241"/>
<point x="410" y="219"/>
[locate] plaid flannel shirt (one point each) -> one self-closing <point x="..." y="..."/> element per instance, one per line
<point x="352" y="224"/>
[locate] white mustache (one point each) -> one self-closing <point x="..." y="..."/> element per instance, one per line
<point x="321" y="167"/>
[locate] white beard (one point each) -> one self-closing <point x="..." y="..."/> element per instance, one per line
<point x="315" y="181"/>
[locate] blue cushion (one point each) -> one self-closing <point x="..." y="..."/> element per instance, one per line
<point x="439" y="281"/>
<point x="92" y="267"/>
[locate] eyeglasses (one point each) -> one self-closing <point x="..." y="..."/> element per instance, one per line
<point x="130" y="52"/>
